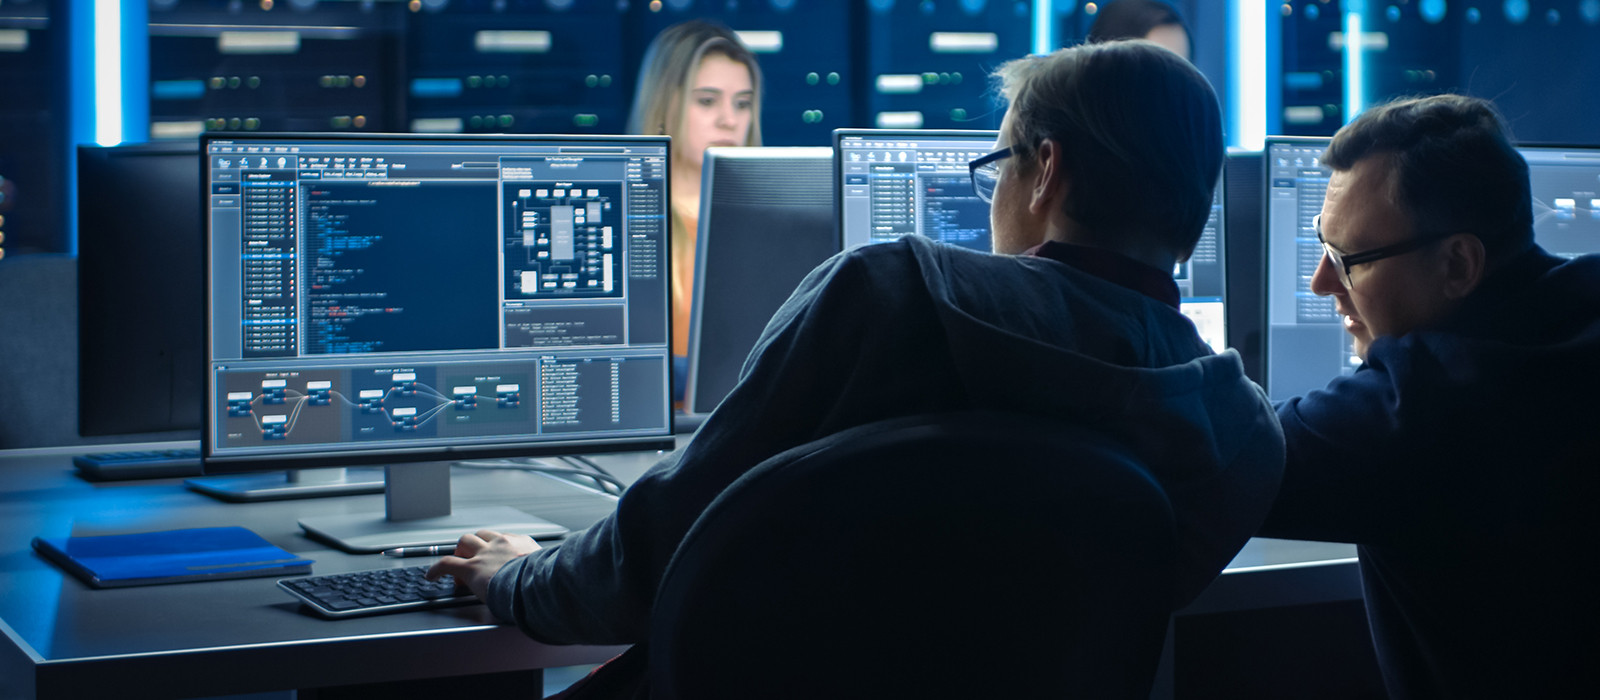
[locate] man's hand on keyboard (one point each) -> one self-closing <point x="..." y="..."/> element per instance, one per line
<point x="479" y="555"/>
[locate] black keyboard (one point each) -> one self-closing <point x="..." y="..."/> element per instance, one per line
<point x="142" y="464"/>
<point x="374" y="592"/>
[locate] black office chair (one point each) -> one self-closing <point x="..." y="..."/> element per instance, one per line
<point x="959" y="555"/>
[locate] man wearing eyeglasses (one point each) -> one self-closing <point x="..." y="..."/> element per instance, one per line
<point x="1102" y="180"/>
<point x="1464" y="455"/>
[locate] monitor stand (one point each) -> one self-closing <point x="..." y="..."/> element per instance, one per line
<point x="418" y="514"/>
<point x="295" y="483"/>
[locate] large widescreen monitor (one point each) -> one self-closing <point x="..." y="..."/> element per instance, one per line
<point x="396" y="298"/>
<point x="139" y="294"/>
<point x="766" y="220"/>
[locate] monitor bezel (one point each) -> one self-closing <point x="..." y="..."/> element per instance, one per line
<point x="838" y="159"/>
<point x="215" y="464"/>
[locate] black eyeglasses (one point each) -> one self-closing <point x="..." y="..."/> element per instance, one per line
<point x="1342" y="262"/>
<point x="985" y="173"/>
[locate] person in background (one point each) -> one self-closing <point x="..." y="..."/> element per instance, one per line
<point x="1152" y="20"/>
<point x="1461" y="455"/>
<point x="1074" y="318"/>
<point x="701" y="86"/>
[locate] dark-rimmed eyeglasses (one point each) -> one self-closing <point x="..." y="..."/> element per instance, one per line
<point x="985" y="173"/>
<point x="1342" y="262"/>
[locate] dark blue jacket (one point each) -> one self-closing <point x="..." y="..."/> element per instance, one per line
<point x="1464" y="460"/>
<point x="917" y="327"/>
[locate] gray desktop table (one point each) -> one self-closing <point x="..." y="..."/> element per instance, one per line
<point x="64" y="640"/>
<point x="61" y="639"/>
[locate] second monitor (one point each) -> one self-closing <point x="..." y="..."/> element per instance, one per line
<point x="891" y="183"/>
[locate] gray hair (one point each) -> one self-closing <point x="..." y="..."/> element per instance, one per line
<point x="1140" y="131"/>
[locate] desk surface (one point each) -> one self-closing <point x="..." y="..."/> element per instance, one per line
<point x="63" y="639"/>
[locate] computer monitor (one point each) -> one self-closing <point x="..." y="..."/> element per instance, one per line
<point x="897" y="182"/>
<point x="891" y="183"/>
<point x="139" y="301"/>
<point x="409" y="300"/>
<point x="766" y="220"/>
<point x="1203" y="278"/>
<point x="1306" y="343"/>
<point x="1566" y="198"/>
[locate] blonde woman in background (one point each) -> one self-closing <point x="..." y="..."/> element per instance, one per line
<point x="701" y="86"/>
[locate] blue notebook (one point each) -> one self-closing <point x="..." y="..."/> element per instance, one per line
<point x="170" y="556"/>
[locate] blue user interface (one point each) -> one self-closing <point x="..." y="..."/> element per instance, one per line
<point x="434" y="293"/>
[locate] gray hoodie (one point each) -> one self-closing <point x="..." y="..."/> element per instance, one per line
<point x="918" y="327"/>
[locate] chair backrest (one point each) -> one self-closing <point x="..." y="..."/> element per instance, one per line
<point x="38" y="350"/>
<point x="959" y="555"/>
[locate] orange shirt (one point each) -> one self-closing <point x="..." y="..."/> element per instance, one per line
<point x="684" y="229"/>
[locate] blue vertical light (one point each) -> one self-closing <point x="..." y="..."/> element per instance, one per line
<point x="1247" y="74"/>
<point x="118" y="71"/>
<point x="107" y="72"/>
<point x="1044" y="26"/>
<point x="1354" y="65"/>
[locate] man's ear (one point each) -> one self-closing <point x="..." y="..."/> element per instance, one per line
<point x="1465" y="262"/>
<point x="1050" y="184"/>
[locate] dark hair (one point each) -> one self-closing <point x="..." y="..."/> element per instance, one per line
<point x="1133" y="19"/>
<point x="1451" y="167"/>
<point x="1140" y="132"/>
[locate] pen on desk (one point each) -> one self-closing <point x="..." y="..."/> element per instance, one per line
<point x="437" y="550"/>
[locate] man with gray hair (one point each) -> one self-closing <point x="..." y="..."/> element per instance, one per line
<point x="1102" y="180"/>
<point x="1461" y="455"/>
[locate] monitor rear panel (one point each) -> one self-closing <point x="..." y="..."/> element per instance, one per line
<point x="766" y="220"/>
<point x="139" y="289"/>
